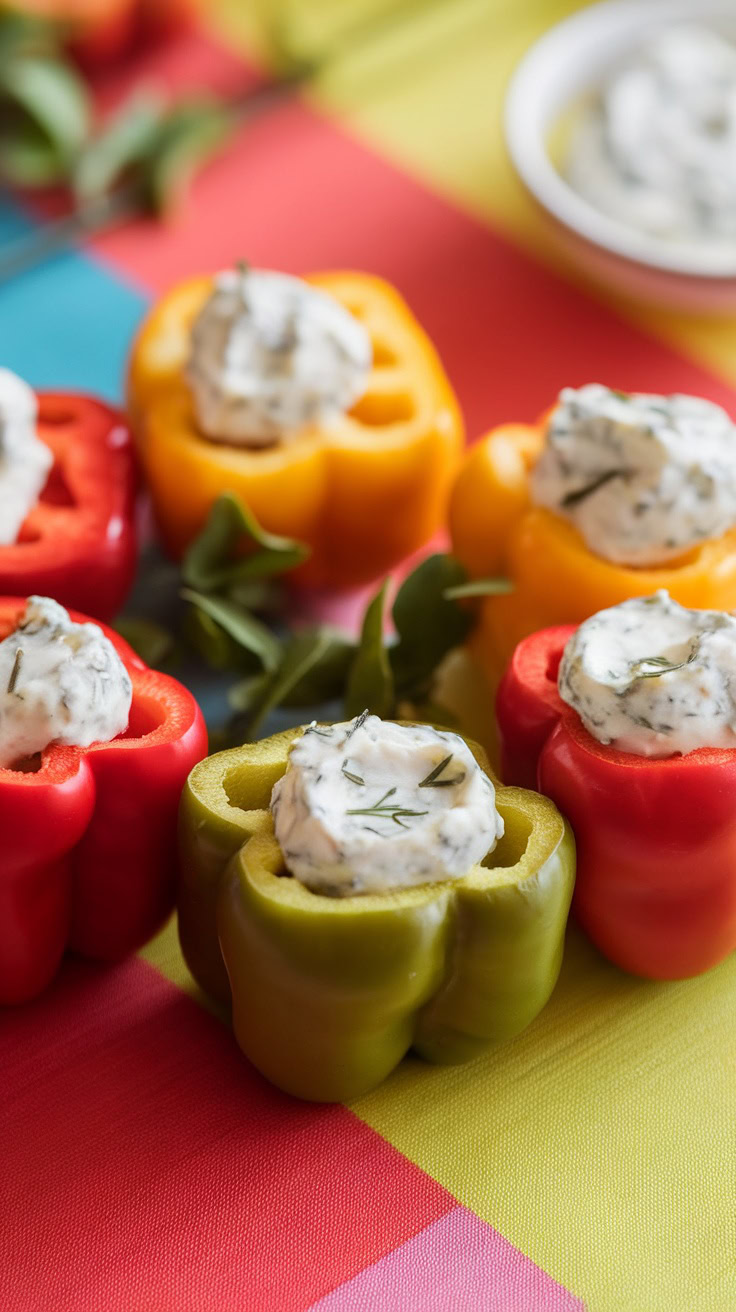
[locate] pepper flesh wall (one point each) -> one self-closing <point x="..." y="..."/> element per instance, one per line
<point x="60" y="682"/>
<point x="369" y="805"/>
<point x="270" y="355"/>
<point x="642" y="477"/>
<point x="25" y="461"/>
<point x="654" y="678"/>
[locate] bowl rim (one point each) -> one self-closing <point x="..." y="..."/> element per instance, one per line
<point x="613" y="27"/>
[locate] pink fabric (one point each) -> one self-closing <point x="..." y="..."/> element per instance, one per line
<point x="456" y="1264"/>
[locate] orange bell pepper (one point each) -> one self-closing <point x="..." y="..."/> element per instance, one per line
<point x="362" y="494"/>
<point x="557" y="579"/>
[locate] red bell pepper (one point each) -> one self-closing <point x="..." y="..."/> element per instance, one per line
<point x="88" y="840"/>
<point x="78" y="545"/>
<point x="656" y="838"/>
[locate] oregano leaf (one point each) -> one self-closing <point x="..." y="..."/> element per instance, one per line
<point x="370" y="681"/>
<point x="211" y="563"/>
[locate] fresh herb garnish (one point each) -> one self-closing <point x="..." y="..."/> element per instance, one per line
<point x="580" y="494"/>
<point x="354" y="778"/>
<point x="387" y="810"/>
<point x="15" y="670"/>
<point x="499" y="587"/>
<point x="663" y="666"/>
<point x="433" y="780"/>
<point x="359" y="722"/>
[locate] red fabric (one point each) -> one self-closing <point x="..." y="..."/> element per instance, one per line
<point x="146" y="1165"/>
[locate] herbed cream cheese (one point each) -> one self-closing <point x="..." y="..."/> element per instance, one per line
<point x="60" y="682"/>
<point x="654" y="678"/>
<point x="25" y="461"/>
<point x="643" y="478"/>
<point x="271" y="354"/>
<point x="369" y="806"/>
<point x="658" y="150"/>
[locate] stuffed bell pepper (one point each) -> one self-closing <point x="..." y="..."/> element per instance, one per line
<point x="320" y="402"/>
<point x="364" y="888"/>
<point x="67" y="498"/>
<point x="613" y="495"/>
<point x="629" y="723"/>
<point x="94" y="751"/>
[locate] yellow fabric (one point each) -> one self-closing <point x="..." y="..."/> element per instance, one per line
<point x="601" y="1142"/>
<point x="164" y="953"/>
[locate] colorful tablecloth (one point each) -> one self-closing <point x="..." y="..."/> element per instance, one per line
<point x="592" y="1162"/>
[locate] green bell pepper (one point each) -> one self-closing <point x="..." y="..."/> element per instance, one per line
<point x="328" y="994"/>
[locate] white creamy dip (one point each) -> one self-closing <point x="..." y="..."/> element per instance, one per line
<point x="643" y="478"/>
<point x="271" y="354"/>
<point x="654" y="678"/>
<point x="369" y="806"/>
<point x="60" y="682"/>
<point x="25" y="461"/>
<point x="658" y="151"/>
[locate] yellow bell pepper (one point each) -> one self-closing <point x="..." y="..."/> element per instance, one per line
<point x="362" y="494"/>
<point x="556" y="578"/>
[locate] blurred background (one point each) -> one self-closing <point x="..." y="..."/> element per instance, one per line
<point x="167" y="136"/>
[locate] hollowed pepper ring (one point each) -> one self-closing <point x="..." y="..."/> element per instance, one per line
<point x="89" y="834"/>
<point x="328" y="994"/>
<point x="656" y="838"/>
<point x="556" y="578"/>
<point x="362" y="494"/>
<point x="78" y="544"/>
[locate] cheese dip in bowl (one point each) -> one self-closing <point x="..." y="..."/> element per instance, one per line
<point x="621" y="123"/>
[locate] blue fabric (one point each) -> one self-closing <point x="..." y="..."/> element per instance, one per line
<point x="67" y="323"/>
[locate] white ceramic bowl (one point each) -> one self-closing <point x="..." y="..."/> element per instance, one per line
<point x="567" y="63"/>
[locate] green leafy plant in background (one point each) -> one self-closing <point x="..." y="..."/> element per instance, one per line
<point x="234" y="619"/>
<point x="45" y="111"/>
<point x="140" y="159"/>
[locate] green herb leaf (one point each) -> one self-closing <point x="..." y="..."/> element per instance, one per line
<point x="580" y="493"/>
<point x="428" y="623"/>
<point x="245" y="630"/>
<point x="479" y="588"/>
<point x="189" y="135"/>
<point x="211" y="565"/>
<point x="15" y="670"/>
<point x="151" y="641"/>
<point x="662" y="666"/>
<point x="437" y="779"/>
<point x="261" y="595"/>
<point x="215" y="647"/>
<point x="124" y="142"/>
<point x="370" y="681"/>
<point x="300" y="658"/>
<point x="246" y="694"/>
<point x="44" y="119"/>
<point x="323" y="681"/>
<point x="384" y="810"/>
